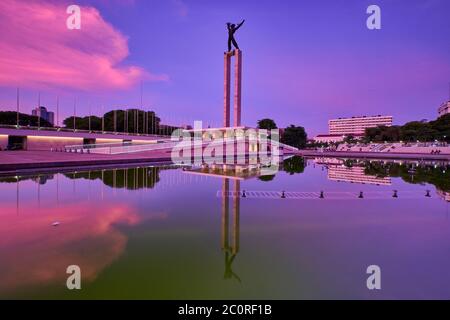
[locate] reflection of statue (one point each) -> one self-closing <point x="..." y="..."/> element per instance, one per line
<point x="232" y="28"/>
<point x="229" y="273"/>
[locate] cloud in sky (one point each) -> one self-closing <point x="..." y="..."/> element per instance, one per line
<point x="38" y="51"/>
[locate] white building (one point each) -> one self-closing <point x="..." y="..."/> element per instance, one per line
<point x="357" y="125"/>
<point x="444" y="108"/>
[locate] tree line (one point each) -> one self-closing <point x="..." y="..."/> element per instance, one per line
<point x="131" y="121"/>
<point x="25" y="120"/>
<point x="423" y="131"/>
<point x="294" y="136"/>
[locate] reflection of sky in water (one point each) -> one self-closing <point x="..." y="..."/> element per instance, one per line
<point x="165" y="240"/>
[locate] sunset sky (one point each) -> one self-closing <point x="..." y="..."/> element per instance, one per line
<point x="304" y="61"/>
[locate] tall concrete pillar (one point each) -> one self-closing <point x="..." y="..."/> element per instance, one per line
<point x="226" y="95"/>
<point x="237" y="87"/>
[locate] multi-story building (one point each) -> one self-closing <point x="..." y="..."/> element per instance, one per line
<point x="44" y="114"/>
<point x="355" y="175"/>
<point x="357" y="125"/>
<point x="444" y="108"/>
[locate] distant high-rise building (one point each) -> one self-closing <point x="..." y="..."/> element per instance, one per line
<point x="44" y="114"/>
<point x="444" y="108"/>
<point x="357" y="125"/>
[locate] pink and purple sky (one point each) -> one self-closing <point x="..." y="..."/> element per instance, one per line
<point x="305" y="61"/>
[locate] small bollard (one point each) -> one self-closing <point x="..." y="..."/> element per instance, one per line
<point x="395" y="195"/>
<point x="428" y="195"/>
<point x="283" y="195"/>
<point x="321" y="195"/>
<point x="361" y="195"/>
<point x="243" y="194"/>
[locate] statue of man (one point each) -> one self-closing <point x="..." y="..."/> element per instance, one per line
<point x="232" y="28"/>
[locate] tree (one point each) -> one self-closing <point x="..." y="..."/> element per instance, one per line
<point x="349" y="139"/>
<point x="267" y="124"/>
<point x="294" y="136"/>
<point x="134" y="116"/>
<point x="294" y="164"/>
<point x="438" y="129"/>
<point x="266" y="178"/>
<point x="10" y="118"/>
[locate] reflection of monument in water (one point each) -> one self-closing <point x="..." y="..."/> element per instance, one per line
<point x="231" y="201"/>
<point x="230" y="247"/>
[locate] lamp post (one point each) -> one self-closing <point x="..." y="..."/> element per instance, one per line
<point x="103" y="120"/>
<point x="74" y="113"/>
<point x="17" y="116"/>
<point x="39" y="111"/>
<point x="57" y="111"/>
<point x="89" y="106"/>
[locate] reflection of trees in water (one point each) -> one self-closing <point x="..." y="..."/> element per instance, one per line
<point x="41" y="179"/>
<point x="438" y="175"/>
<point x="294" y="165"/>
<point x="266" y="178"/>
<point x="128" y="178"/>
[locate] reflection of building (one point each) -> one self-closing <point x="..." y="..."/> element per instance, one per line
<point x="444" y="109"/>
<point x="357" y="125"/>
<point x="44" y="114"/>
<point x="42" y="179"/>
<point x="235" y="172"/>
<point x="329" y="161"/>
<point x="355" y="175"/>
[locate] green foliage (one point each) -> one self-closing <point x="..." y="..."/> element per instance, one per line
<point x="412" y="131"/>
<point x="10" y="118"/>
<point x="267" y="124"/>
<point x="294" y="165"/>
<point x="438" y="176"/>
<point x="129" y="178"/>
<point x="125" y="122"/>
<point x="266" y="178"/>
<point x="294" y="136"/>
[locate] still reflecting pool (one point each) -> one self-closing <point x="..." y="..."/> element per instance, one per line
<point x="309" y="230"/>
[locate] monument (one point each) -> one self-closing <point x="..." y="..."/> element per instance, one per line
<point x="237" y="54"/>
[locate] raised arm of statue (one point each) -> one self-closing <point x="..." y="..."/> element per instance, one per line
<point x="240" y="24"/>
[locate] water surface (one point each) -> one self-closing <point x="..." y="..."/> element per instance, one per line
<point x="185" y="233"/>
